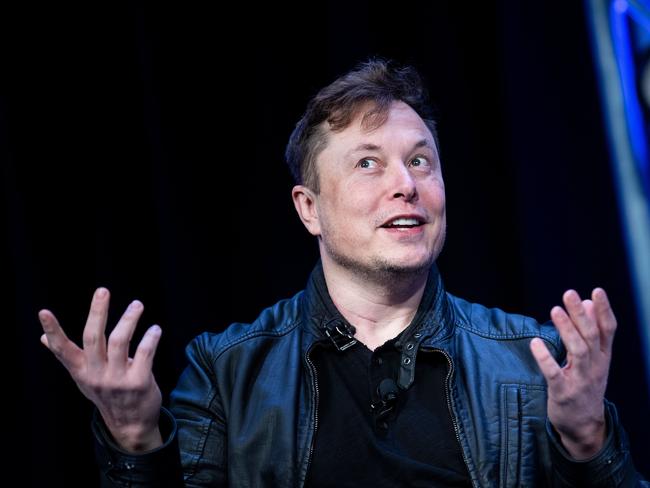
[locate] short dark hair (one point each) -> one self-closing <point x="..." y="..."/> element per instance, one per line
<point x="376" y="80"/>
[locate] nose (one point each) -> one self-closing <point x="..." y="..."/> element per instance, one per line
<point x="403" y="184"/>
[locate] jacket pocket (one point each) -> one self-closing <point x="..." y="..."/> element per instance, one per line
<point x="523" y="413"/>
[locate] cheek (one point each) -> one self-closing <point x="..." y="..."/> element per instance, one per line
<point x="435" y="195"/>
<point x="363" y="193"/>
<point x="354" y="198"/>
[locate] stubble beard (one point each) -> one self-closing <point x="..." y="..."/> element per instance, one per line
<point x="379" y="270"/>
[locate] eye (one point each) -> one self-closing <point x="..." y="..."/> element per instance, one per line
<point x="367" y="163"/>
<point x="419" y="162"/>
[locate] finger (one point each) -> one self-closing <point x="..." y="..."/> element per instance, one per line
<point x="605" y="318"/>
<point x="120" y="338"/>
<point x="577" y="349"/>
<point x="94" y="339"/>
<point x="584" y="323"/>
<point x="143" y="358"/>
<point x="590" y="310"/>
<point x="66" y="351"/>
<point x="546" y="362"/>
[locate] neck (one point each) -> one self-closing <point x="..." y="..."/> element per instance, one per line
<point x="379" y="308"/>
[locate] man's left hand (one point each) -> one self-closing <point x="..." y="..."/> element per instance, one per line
<point x="576" y="391"/>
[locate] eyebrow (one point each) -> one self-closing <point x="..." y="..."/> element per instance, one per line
<point x="374" y="147"/>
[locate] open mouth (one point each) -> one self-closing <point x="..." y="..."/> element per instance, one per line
<point x="403" y="223"/>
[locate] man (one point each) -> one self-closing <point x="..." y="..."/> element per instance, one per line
<point x="373" y="375"/>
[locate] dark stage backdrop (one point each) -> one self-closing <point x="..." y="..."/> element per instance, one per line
<point x="142" y="150"/>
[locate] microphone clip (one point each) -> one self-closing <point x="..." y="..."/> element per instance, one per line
<point x="387" y="392"/>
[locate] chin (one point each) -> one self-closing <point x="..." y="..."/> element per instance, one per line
<point x="382" y="266"/>
<point x="401" y="265"/>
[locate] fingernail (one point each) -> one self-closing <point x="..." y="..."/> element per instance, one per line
<point x="101" y="292"/>
<point x="135" y="305"/>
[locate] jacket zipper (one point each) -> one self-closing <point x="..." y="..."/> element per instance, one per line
<point x="315" y="402"/>
<point x="450" y="406"/>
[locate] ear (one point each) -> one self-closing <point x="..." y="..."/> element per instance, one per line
<point x="305" y="201"/>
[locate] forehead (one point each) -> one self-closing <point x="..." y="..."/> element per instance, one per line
<point x="402" y="125"/>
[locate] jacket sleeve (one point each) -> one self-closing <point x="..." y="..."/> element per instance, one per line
<point x="611" y="467"/>
<point x="118" y="468"/>
<point x="193" y="454"/>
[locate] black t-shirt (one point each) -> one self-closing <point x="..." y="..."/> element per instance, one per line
<point x="406" y="442"/>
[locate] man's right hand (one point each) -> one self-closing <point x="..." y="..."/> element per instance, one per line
<point x="123" y="388"/>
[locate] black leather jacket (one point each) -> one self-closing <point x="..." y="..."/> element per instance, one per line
<point x="246" y="408"/>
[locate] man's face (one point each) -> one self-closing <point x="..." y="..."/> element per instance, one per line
<point x="381" y="206"/>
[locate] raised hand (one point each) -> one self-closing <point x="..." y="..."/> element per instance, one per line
<point x="576" y="391"/>
<point x="123" y="388"/>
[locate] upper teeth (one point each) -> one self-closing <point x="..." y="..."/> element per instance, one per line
<point x="404" y="222"/>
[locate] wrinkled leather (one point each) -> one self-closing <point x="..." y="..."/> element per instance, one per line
<point x="245" y="408"/>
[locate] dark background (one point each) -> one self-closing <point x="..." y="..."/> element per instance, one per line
<point x="142" y="150"/>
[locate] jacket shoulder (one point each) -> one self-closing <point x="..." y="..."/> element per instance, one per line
<point x="274" y="321"/>
<point x="494" y="323"/>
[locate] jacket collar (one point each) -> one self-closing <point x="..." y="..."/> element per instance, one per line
<point x="433" y="319"/>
